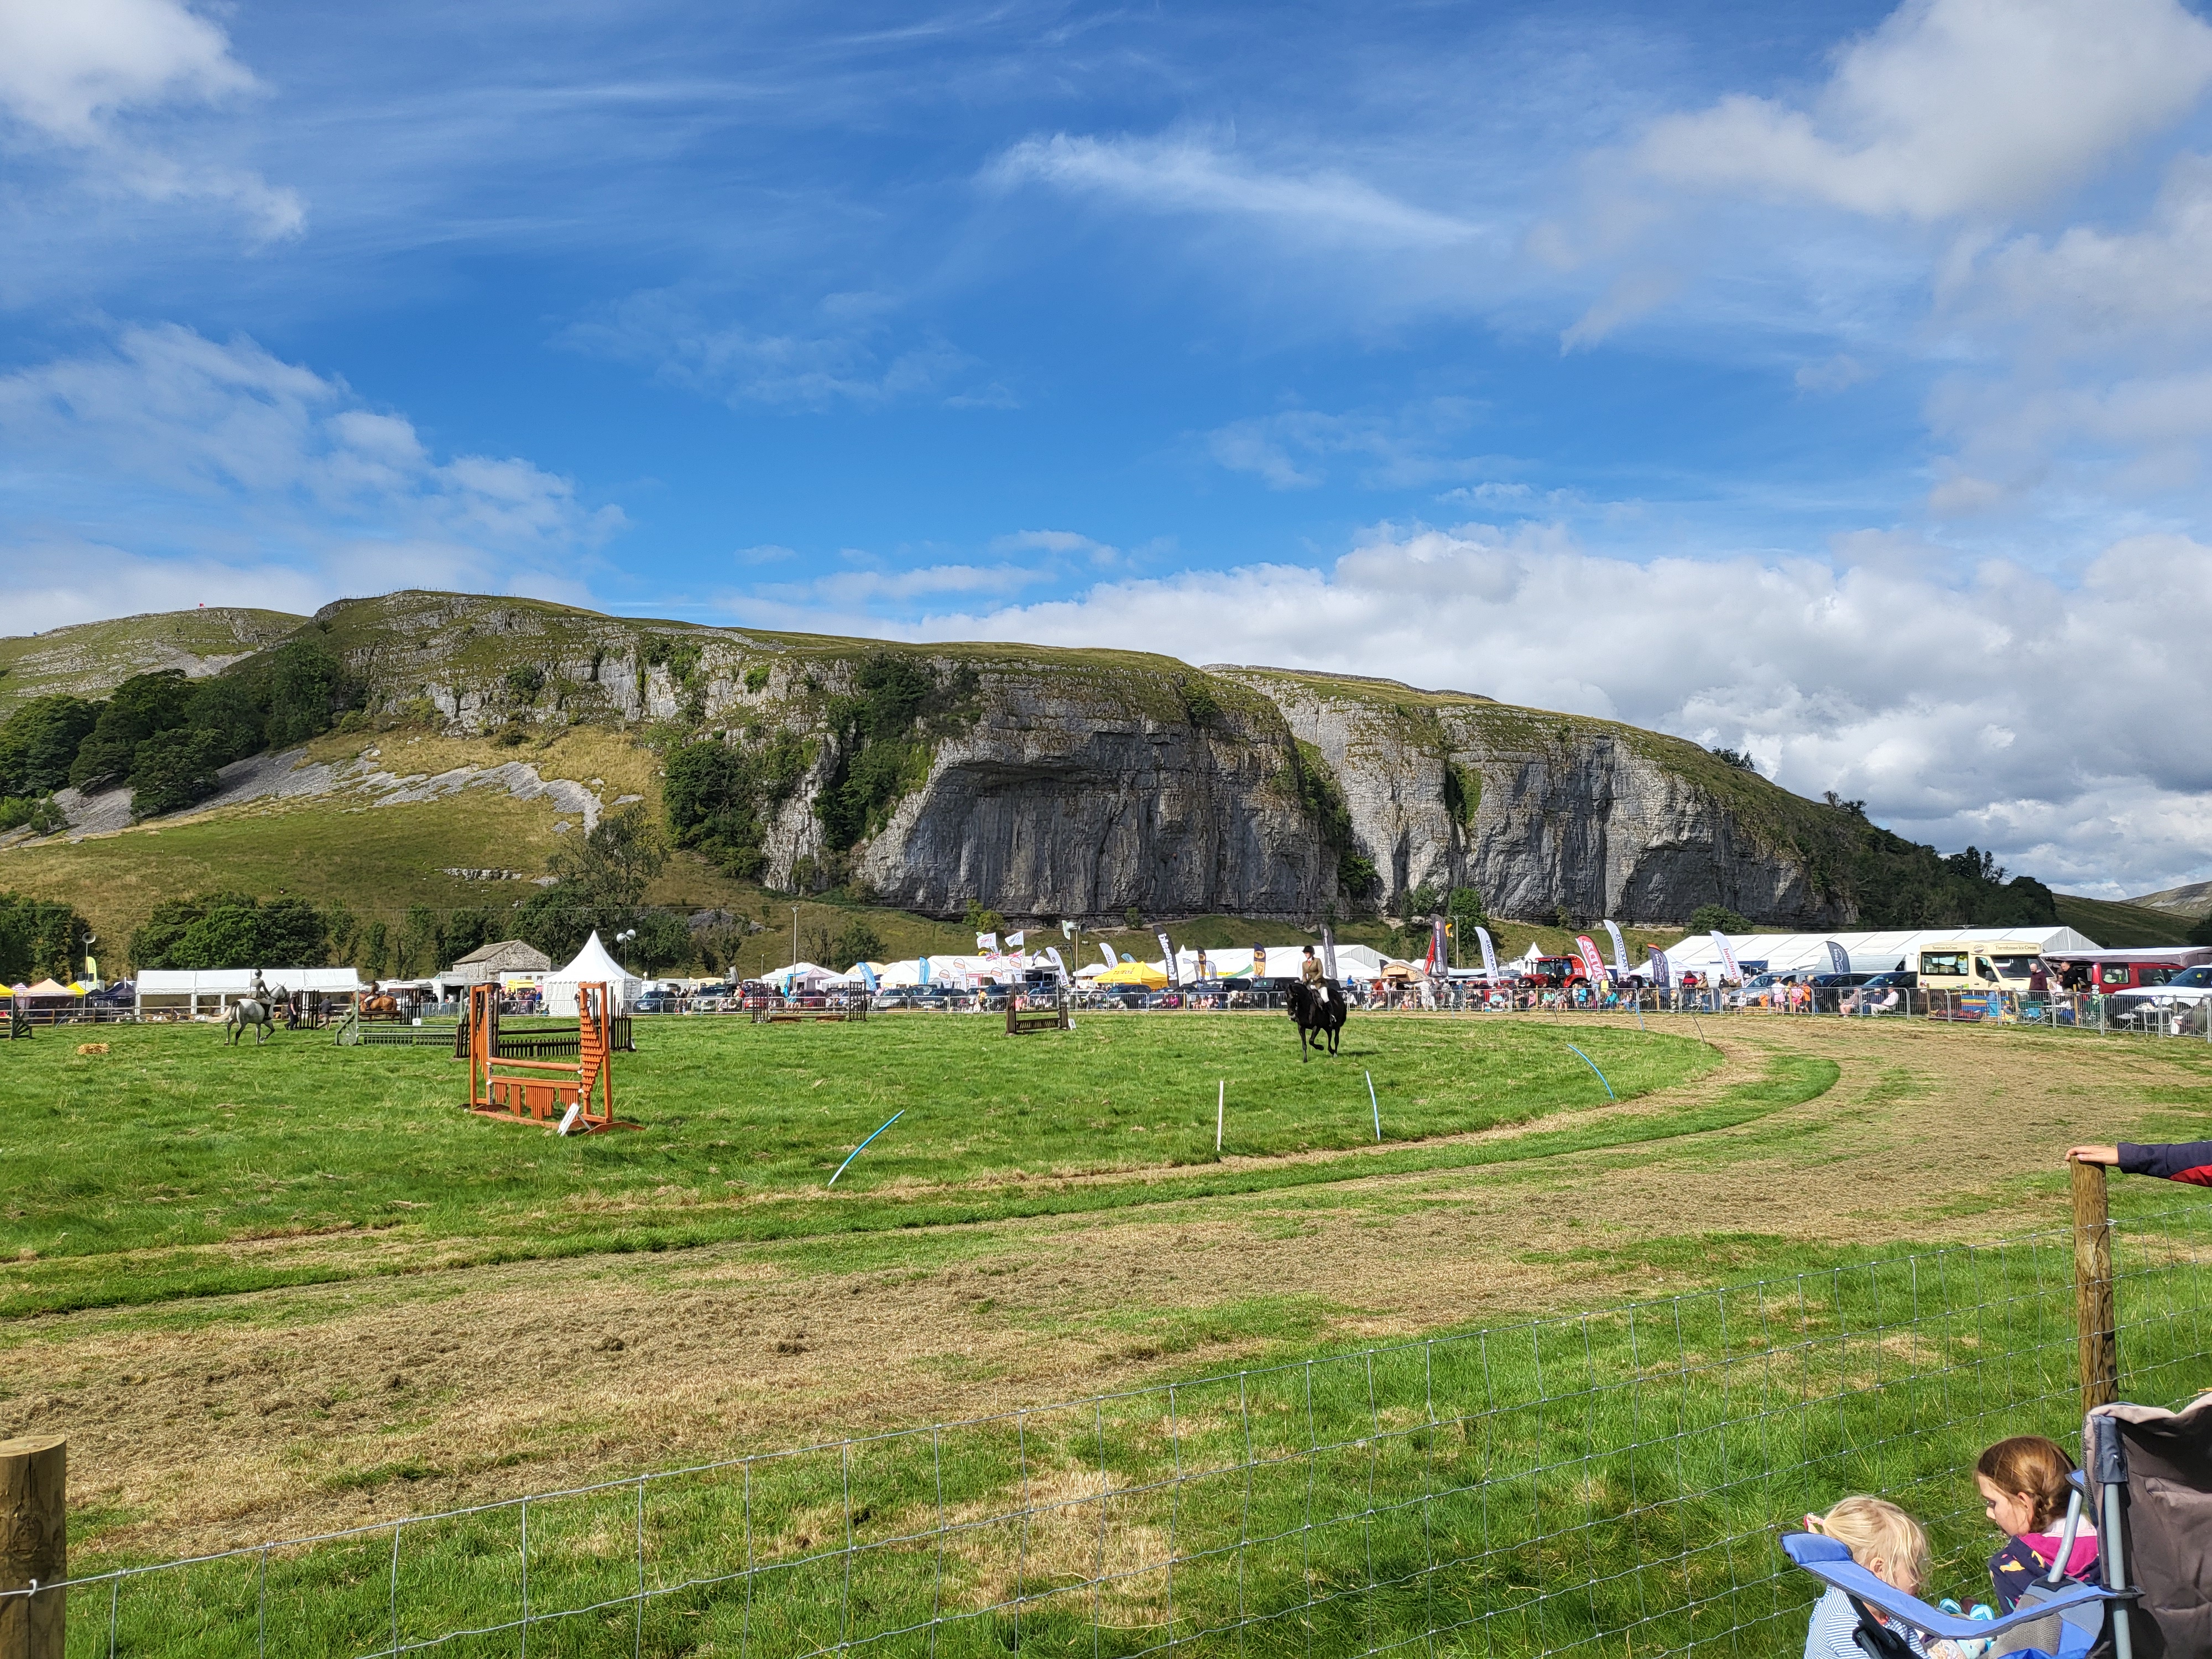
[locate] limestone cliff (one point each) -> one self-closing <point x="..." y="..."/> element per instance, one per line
<point x="1048" y="782"/>
<point x="1542" y="812"/>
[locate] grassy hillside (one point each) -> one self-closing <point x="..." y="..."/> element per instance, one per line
<point x="2193" y="901"/>
<point x="90" y="659"/>
<point x="2117" y="925"/>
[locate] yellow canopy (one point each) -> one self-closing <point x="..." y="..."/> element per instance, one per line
<point x="1133" y="973"/>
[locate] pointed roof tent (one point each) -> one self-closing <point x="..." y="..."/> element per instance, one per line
<point x="593" y="964"/>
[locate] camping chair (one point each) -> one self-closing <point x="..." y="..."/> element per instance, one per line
<point x="2148" y="1480"/>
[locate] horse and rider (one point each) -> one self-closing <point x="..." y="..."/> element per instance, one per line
<point x="1318" y="1007"/>
<point x="258" y="1009"/>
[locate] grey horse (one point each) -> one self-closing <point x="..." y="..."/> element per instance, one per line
<point x="251" y="1011"/>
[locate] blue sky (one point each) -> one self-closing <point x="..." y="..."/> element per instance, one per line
<point x="1830" y="381"/>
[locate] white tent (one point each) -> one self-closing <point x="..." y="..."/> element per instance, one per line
<point x="593" y="964"/>
<point x="186" y="989"/>
<point x="800" y="976"/>
<point x="1801" y="953"/>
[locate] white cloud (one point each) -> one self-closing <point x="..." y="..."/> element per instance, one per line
<point x="180" y="463"/>
<point x="1929" y="698"/>
<point x="1838" y="374"/>
<point x="1293" y="448"/>
<point x="846" y="354"/>
<point x="1953" y="109"/>
<point x="1183" y="175"/>
<point x="81" y="77"/>
<point x="1065" y="543"/>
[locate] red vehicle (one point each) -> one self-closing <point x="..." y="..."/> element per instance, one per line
<point x="1552" y="972"/>
<point x="2135" y="970"/>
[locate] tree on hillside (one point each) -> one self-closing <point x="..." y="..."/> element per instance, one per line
<point x="40" y="939"/>
<point x="141" y="705"/>
<point x="663" y="941"/>
<point x="39" y="742"/>
<point x="232" y="930"/>
<point x="857" y="941"/>
<point x="598" y="883"/>
<point x="1719" y="919"/>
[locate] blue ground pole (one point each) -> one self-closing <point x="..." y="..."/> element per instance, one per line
<point x="887" y="1123"/>
<point x="1586" y="1061"/>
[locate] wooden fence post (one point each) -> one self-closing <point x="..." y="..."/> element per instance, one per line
<point x="33" y="1544"/>
<point x="2094" y="1315"/>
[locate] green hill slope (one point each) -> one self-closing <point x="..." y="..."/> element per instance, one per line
<point x="91" y="658"/>
<point x="2118" y="926"/>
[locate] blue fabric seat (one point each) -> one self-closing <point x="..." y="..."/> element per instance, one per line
<point x="1827" y="1560"/>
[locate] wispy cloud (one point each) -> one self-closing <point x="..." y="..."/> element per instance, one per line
<point x="849" y="351"/>
<point x="221" y="457"/>
<point x="1297" y="448"/>
<point x="83" y="79"/>
<point x="1186" y="175"/>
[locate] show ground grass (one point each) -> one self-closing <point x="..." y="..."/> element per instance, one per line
<point x="267" y="1292"/>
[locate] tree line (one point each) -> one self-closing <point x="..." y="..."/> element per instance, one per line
<point x="165" y="736"/>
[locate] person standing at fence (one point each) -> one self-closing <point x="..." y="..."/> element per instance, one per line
<point x="2187" y="1161"/>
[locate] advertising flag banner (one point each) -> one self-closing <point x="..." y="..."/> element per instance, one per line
<point x="986" y="945"/>
<point x="1619" y="949"/>
<point x="1260" y="961"/>
<point x="1593" y="963"/>
<point x="1106" y="952"/>
<point x="1439" y="952"/>
<point x="1727" y="956"/>
<point x="1327" y="952"/>
<point x="1838" y="958"/>
<point x="1489" y="953"/>
<point x="868" y="978"/>
<point x="1052" y="955"/>
<point x="1168" y="963"/>
<point x="1015" y="941"/>
<point x="1659" y="974"/>
<point x="925" y="971"/>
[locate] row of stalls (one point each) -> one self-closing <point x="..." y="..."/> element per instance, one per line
<point x="1357" y="963"/>
<point x="1873" y="953"/>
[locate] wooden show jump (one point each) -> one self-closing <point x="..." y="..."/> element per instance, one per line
<point x="542" y="1091"/>
<point x="856" y="1007"/>
<point x="1022" y="1020"/>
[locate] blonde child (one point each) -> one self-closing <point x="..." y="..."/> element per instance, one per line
<point x="1889" y="1544"/>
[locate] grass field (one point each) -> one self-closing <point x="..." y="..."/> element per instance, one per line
<point x="131" y="1171"/>
<point x="282" y="1292"/>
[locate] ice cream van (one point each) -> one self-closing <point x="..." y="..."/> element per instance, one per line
<point x="1977" y="966"/>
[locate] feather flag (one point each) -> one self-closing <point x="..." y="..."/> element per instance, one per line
<point x="1660" y="976"/>
<point x="1619" y="949"/>
<point x="1489" y="953"/>
<point x="1593" y="963"/>
<point x="1168" y="963"/>
<point x="1727" y="956"/>
<point x="1838" y="958"/>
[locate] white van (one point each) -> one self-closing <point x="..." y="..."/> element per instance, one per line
<point x="1978" y="965"/>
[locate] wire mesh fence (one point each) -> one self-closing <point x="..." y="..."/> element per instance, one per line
<point x="1609" y="1483"/>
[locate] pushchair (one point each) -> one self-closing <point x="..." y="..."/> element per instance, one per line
<point x="2148" y="1479"/>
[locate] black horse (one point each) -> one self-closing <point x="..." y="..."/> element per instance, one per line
<point x="1317" y="1010"/>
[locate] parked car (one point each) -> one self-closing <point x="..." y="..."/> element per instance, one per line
<point x="659" y="1002"/>
<point x="2181" y="1002"/>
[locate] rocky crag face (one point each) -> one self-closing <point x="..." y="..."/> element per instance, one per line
<point x="1047" y="783"/>
<point x="1543" y="812"/>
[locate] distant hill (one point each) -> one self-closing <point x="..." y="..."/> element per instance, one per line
<point x="90" y="660"/>
<point x="1036" y="781"/>
<point x="2193" y="901"/>
<point x="2119" y="925"/>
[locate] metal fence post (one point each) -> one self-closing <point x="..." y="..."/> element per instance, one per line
<point x="2093" y="1314"/>
<point x="33" y="1545"/>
